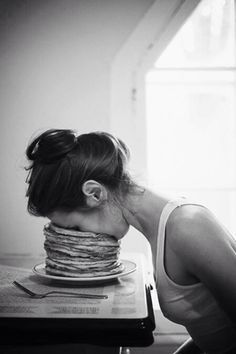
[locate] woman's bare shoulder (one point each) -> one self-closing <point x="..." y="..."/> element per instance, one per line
<point x="186" y="218"/>
<point x="194" y="227"/>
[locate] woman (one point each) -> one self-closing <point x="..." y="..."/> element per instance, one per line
<point x="81" y="182"/>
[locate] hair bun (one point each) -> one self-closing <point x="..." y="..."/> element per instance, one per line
<point x="52" y="145"/>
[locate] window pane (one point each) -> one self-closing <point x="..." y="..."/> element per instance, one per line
<point x="191" y="131"/>
<point x="206" y="39"/>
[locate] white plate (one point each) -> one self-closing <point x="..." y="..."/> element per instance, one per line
<point x="129" y="267"/>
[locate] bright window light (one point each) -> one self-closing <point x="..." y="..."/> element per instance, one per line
<point x="207" y="39"/>
<point x="190" y="109"/>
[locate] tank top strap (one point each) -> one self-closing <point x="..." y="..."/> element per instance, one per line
<point x="167" y="210"/>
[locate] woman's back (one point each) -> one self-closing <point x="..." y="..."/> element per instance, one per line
<point x="191" y="305"/>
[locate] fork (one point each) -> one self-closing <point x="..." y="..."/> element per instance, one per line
<point x="42" y="295"/>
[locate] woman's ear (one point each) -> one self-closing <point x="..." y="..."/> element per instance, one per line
<point x="94" y="192"/>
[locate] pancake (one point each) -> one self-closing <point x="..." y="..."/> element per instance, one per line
<point x="74" y="253"/>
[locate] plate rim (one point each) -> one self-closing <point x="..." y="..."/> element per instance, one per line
<point x="84" y="279"/>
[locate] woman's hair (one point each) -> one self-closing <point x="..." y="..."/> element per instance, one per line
<point x="60" y="162"/>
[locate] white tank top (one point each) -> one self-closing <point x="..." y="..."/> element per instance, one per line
<point x="193" y="306"/>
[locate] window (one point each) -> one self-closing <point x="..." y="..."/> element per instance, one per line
<point x="191" y="120"/>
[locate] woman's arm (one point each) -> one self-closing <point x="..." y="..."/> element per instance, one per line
<point x="208" y="252"/>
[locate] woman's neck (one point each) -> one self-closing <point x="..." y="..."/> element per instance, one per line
<point x="143" y="211"/>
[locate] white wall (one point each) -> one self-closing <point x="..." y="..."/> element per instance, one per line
<point x="55" y="59"/>
<point x="130" y="66"/>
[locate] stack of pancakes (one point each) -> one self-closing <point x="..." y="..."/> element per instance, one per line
<point x="72" y="253"/>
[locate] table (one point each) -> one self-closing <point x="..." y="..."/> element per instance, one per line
<point x="108" y="334"/>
